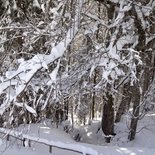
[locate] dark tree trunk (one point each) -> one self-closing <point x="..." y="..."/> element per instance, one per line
<point x="66" y="102"/>
<point x="125" y="102"/>
<point x="93" y="97"/>
<point x="108" y="118"/>
<point x="135" y="115"/>
<point x="93" y="106"/>
<point x="96" y="71"/>
<point x="136" y="90"/>
<point x="1" y="121"/>
<point x="57" y="117"/>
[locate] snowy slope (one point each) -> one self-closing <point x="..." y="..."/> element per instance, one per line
<point x="143" y="145"/>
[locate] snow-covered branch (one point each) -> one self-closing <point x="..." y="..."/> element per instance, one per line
<point x="27" y="69"/>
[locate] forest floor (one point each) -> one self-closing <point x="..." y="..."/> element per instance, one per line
<point x="91" y="139"/>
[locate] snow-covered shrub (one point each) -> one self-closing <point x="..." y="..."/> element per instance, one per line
<point x="67" y="127"/>
<point x="76" y="134"/>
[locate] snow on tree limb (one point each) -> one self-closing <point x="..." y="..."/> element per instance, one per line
<point x="27" y="69"/>
<point x="30" y="109"/>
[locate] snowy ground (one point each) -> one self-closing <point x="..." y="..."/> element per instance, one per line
<point x="145" y="136"/>
<point x="143" y="145"/>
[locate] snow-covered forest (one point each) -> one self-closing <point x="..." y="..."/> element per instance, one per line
<point x="84" y="69"/>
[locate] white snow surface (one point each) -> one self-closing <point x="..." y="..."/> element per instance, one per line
<point x="47" y="133"/>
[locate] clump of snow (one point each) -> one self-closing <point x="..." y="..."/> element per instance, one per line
<point x="36" y="3"/>
<point x="30" y="109"/>
<point x="53" y="74"/>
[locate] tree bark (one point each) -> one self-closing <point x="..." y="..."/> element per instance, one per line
<point x="108" y="118"/>
<point x="66" y="102"/>
<point x="136" y="107"/>
<point x="125" y="102"/>
<point x="93" y="97"/>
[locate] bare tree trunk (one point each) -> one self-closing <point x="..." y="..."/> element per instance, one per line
<point x="66" y="102"/>
<point x="57" y="116"/>
<point x="93" y="98"/>
<point x="125" y="102"/>
<point x="136" y="90"/>
<point x="135" y="116"/>
<point x="95" y="73"/>
<point x="72" y="115"/>
<point x="108" y="118"/>
<point x="1" y="121"/>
